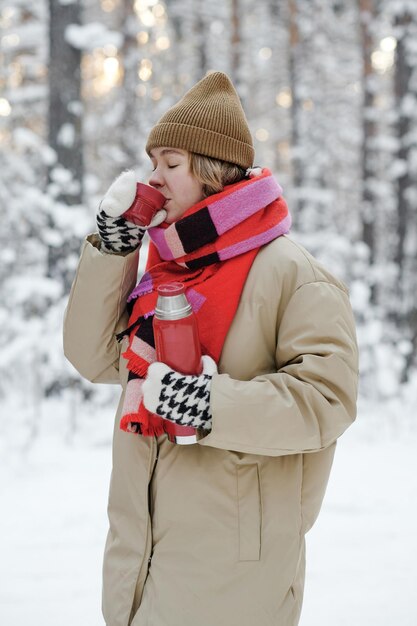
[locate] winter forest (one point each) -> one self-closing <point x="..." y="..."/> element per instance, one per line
<point x="330" y="91"/>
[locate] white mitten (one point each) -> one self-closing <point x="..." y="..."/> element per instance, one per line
<point x="183" y="399"/>
<point x="116" y="233"/>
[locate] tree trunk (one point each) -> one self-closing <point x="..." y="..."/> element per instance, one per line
<point x="201" y="38"/>
<point x="130" y="124"/>
<point x="65" y="108"/>
<point x="235" y="42"/>
<point x="295" y="108"/>
<point x="402" y="89"/>
<point x="406" y="261"/>
<point x="366" y="9"/>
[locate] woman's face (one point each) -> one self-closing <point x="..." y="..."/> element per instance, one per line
<point x="172" y="177"/>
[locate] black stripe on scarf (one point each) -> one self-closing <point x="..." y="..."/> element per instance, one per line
<point x="145" y="330"/>
<point x="203" y="261"/>
<point x="196" y="230"/>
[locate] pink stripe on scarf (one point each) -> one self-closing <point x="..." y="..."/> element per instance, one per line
<point x="195" y="299"/>
<point x="243" y="203"/>
<point x="158" y="237"/>
<point x="143" y="349"/>
<point x="174" y="243"/>
<point x="257" y="241"/>
<point x="133" y="396"/>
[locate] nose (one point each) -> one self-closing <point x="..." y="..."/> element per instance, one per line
<point x="156" y="180"/>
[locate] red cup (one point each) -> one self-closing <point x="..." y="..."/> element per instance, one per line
<point x="146" y="203"/>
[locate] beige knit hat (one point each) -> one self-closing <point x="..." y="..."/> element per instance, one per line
<point x="208" y="120"/>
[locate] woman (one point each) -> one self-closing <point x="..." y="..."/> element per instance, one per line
<point x="213" y="533"/>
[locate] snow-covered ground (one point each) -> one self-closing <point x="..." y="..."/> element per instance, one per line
<point x="361" y="553"/>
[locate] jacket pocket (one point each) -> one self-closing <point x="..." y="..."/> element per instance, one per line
<point x="249" y="512"/>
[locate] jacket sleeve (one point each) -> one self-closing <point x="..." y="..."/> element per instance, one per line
<point x="311" y="399"/>
<point x="96" y="311"/>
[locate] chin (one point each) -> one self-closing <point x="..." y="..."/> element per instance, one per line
<point x="173" y="215"/>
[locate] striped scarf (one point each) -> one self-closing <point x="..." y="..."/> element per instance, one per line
<point x="229" y="226"/>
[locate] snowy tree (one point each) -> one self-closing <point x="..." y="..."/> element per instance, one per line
<point x="367" y="19"/>
<point x="405" y="16"/>
<point x="65" y="107"/>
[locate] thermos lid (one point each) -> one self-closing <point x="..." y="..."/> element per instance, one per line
<point x="171" y="289"/>
<point x="172" y="303"/>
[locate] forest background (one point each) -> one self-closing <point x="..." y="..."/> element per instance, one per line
<point x="330" y="89"/>
<point x="330" y="92"/>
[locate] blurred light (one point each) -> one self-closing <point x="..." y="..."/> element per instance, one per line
<point x="144" y="12"/>
<point x="158" y="10"/>
<point x="147" y="18"/>
<point x="143" y="5"/>
<point x="382" y="61"/>
<point x="156" y="93"/>
<point x="5" y="108"/>
<point x="41" y="71"/>
<point x="141" y="91"/>
<point x="10" y="41"/>
<point x="142" y="37"/>
<point x="101" y="73"/>
<point x="308" y="105"/>
<point x="262" y="134"/>
<point x="284" y="98"/>
<point x="6" y="16"/>
<point x="163" y="43"/>
<point x="110" y="50"/>
<point x="265" y="53"/>
<point x="388" y="44"/>
<point x="111" y="67"/>
<point x="108" y="5"/>
<point x="145" y="69"/>
<point x="16" y="76"/>
<point x="283" y="147"/>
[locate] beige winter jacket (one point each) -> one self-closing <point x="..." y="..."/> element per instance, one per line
<point x="213" y="533"/>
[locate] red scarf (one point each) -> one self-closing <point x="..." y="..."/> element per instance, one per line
<point x="211" y="250"/>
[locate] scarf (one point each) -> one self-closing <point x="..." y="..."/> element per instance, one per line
<point x="211" y="250"/>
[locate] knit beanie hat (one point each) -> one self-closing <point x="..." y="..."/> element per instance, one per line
<point x="208" y="120"/>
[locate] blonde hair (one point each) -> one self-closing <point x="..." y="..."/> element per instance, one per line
<point x="214" y="174"/>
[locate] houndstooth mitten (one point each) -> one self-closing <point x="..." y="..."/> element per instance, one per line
<point x="180" y="398"/>
<point x="116" y="233"/>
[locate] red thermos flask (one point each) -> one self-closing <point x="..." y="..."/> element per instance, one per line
<point x="177" y="344"/>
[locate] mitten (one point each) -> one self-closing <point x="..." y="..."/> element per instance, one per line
<point x="116" y="233"/>
<point x="180" y="398"/>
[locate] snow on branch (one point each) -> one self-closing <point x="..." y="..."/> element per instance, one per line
<point x="90" y="36"/>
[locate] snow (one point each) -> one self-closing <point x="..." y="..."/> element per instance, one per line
<point x="361" y="566"/>
<point x="27" y="94"/>
<point x="92" y="35"/>
<point x="360" y="554"/>
<point x="66" y="135"/>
